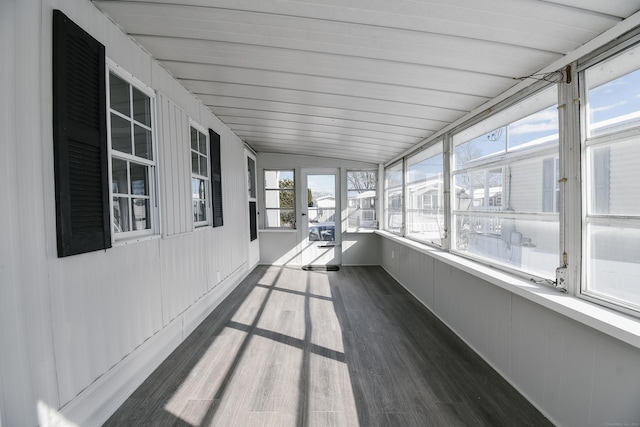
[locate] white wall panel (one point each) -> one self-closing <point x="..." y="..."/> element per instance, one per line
<point x="184" y="272"/>
<point x="576" y="375"/>
<point x="68" y="324"/>
<point x="174" y="168"/>
<point x="104" y="304"/>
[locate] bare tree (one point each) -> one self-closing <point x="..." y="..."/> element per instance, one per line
<point x="362" y="181"/>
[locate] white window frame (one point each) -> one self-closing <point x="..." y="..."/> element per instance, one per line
<point x="356" y="206"/>
<point x="385" y="206"/>
<point x="433" y="149"/>
<point x="486" y="218"/>
<point x="206" y="178"/>
<point x="154" y="230"/>
<point x="590" y="142"/>
<point x="267" y="208"/>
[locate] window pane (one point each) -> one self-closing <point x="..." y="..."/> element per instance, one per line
<point x="536" y="129"/>
<point x="119" y="95"/>
<point x="198" y="188"/>
<point x="121" y="214"/>
<point x="251" y="171"/>
<point x="527" y="124"/>
<point x="485" y="145"/>
<point x="280" y="218"/>
<point x="141" y="214"/>
<point x="143" y="142"/>
<point x="199" y="211"/>
<point x="613" y="91"/>
<point x="613" y="169"/>
<point x="194" y="139"/>
<point x="120" y="134"/>
<point x="119" y="183"/>
<point x="202" y="144"/>
<point x="195" y="163"/>
<point x="393" y="198"/>
<point x="424" y="195"/>
<point x="139" y="179"/>
<point x="613" y="261"/>
<point x="531" y="246"/>
<point x="141" y="107"/>
<point x="479" y="190"/>
<point x="203" y="166"/>
<point x="361" y="203"/>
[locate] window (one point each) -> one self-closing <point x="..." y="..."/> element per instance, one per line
<point x="133" y="166"/>
<point x="393" y="181"/>
<point x="497" y="213"/>
<point x="200" y="182"/>
<point x="279" y="199"/>
<point x="361" y="200"/>
<point x="612" y="147"/>
<point x="424" y="195"/>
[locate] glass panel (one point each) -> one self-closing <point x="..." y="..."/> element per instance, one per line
<point x="203" y="166"/>
<point x="141" y="214"/>
<point x="534" y="130"/>
<point x="424" y="196"/>
<point x="143" y="142"/>
<point x="119" y="183"/>
<point x="613" y="91"/>
<point x="613" y="261"/>
<point x="194" y="139"/>
<point x="251" y="178"/>
<point x="479" y="190"/>
<point x="121" y="214"/>
<point x="141" y="107"/>
<point x="120" y="134"/>
<point x="287" y="218"/>
<point x="528" y="245"/>
<point x="487" y="145"/>
<point x="195" y="163"/>
<point x="527" y="124"/>
<point x="202" y="144"/>
<point x="119" y="95"/>
<point x="199" y="211"/>
<point x="279" y="179"/>
<point x="321" y="203"/>
<point x="393" y="198"/>
<point x="139" y="179"/>
<point x="613" y="189"/>
<point x="361" y="200"/>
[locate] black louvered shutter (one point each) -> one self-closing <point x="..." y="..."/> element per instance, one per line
<point x="216" y="177"/>
<point x="79" y="139"/>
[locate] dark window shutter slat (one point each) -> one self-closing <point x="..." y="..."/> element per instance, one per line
<point x="216" y="178"/>
<point x="79" y="139"/>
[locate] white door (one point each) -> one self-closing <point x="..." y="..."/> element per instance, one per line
<point x="252" y="201"/>
<point x="320" y="217"/>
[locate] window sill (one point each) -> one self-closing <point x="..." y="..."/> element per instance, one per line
<point x="131" y="240"/>
<point x="613" y="323"/>
<point x="277" y="230"/>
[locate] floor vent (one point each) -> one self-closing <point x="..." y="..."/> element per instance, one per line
<point x="321" y="267"/>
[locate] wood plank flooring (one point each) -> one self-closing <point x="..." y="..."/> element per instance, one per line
<point x="309" y="348"/>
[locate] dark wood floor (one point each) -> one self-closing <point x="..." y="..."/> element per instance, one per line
<point x="309" y="348"/>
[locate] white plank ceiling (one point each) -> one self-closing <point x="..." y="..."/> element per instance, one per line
<point x="358" y="79"/>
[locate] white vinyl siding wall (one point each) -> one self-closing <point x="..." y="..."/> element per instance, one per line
<point x="84" y="330"/>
